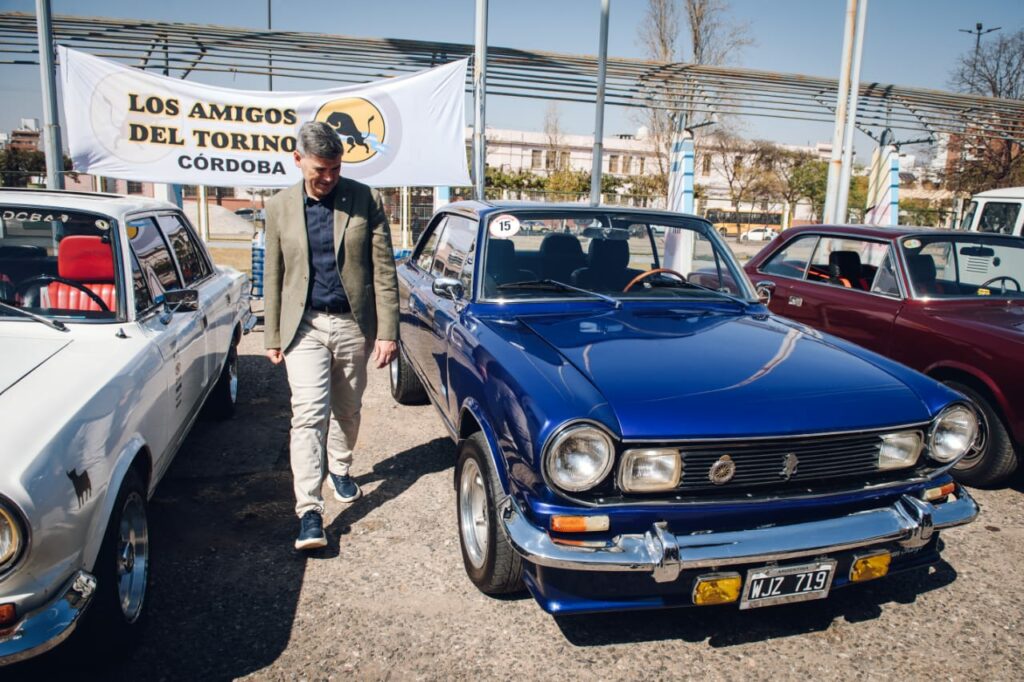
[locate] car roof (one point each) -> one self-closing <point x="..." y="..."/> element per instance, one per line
<point x="476" y="209"/>
<point x="109" y="204"/>
<point x="878" y="232"/>
<point x="1002" y="193"/>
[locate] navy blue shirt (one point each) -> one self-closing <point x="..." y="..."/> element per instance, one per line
<point x="325" y="289"/>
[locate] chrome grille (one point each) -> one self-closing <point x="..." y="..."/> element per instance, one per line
<point x="761" y="463"/>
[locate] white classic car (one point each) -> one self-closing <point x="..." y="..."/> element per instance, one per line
<point x="115" y="329"/>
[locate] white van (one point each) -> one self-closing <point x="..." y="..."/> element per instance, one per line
<point x="997" y="210"/>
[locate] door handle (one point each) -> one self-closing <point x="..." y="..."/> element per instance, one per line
<point x="206" y="322"/>
<point x="796" y="301"/>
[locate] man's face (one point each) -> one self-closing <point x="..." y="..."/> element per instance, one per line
<point x="320" y="175"/>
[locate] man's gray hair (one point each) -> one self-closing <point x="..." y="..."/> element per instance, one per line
<point x="316" y="138"/>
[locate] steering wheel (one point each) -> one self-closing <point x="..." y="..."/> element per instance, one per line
<point x="1001" y="278"/>
<point x="655" y="271"/>
<point x="26" y="284"/>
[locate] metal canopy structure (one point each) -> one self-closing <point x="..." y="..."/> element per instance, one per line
<point x="184" y="49"/>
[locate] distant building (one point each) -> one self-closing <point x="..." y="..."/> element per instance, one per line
<point x="26" y="136"/>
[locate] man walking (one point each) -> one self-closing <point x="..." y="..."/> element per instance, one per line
<point x="330" y="290"/>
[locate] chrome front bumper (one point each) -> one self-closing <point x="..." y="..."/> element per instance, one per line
<point x="909" y="521"/>
<point x="49" y="625"/>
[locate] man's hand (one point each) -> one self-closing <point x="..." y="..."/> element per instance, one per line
<point x="275" y="355"/>
<point x="383" y="353"/>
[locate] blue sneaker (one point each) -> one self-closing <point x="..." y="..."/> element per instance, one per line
<point x="311" y="532"/>
<point x="345" y="488"/>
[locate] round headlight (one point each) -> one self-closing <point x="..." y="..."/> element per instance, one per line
<point x="954" y="433"/>
<point x="10" y="537"/>
<point x="579" y="458"/>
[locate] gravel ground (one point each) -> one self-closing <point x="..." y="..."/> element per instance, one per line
<point x="389" y="599"/>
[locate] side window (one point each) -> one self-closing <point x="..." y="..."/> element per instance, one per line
<point x="968" y="219"/>
<point x="847" y="263"/>
<point x="143" y="299"/>
<point x="998" y="217"/>
<point x="792" y="260"/>
<point x="454" y="249"/>
<point x="426" y="253"/>
<point x="154" y="257"/>
<point x="885" y="279"/>
<point x="190" y="260"/>
<point x="464" y="231"/>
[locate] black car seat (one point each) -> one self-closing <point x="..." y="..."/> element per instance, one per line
<point x="607" y="266"/>
<point x="921" y="268"/>
<point x="502" y="266"/>
<point x="844" y="269"/>
<point x="560" y="255"/>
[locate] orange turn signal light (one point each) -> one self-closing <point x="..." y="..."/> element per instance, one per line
<point x="579" y="524"/>
<point x="8" y="614"/>
<point x="939" y="493"/>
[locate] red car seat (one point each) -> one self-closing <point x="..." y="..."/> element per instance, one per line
<point x="88" y="260"/>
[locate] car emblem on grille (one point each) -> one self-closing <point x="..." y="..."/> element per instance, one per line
<point x="789" y="465"/>
<point x="722" y="471"/>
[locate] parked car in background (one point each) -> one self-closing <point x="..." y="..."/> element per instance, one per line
<point x="947" y="303"/>
<point x="116" y="327"/>
<point x="997" y="211"/>
<point x="759" y="234"/>
<point x="630" y="439"/>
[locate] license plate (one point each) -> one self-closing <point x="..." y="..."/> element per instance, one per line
<point x="787" y="584"/>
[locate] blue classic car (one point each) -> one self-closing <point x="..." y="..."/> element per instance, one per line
<point x="636" y="430"/>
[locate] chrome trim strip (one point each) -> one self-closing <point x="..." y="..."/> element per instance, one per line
<point x="50" y="624"/>
<point x="909" y="521"/>
<point x="653" y="442"/>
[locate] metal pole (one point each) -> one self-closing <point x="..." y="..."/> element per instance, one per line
<point x="846" y="170"/>
<point x="51" y="123"/>
<point x="842" y="98"/>
<point x="270" y="58"/>
<point x="602" y="63"/>
<point x="480" y="97"/>
<point x="203" y="214"/>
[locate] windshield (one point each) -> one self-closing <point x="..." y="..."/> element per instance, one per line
<point x="607" y="253"/>
<point x="56" y="263"/>
<point x="943" y="267"/>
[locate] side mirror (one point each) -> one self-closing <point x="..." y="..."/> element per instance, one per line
<point x="177" y="300"/>
<point x="765" y="289"/>
<point x="448" y="287"/>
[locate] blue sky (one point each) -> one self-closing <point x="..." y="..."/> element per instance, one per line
<point x="908" y="42"/>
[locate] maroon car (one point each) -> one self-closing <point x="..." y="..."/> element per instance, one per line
<point x="949" y="304"/>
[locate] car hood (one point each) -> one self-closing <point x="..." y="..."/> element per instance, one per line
<point x="704" y="374"/>
<point x="22" y="355"/>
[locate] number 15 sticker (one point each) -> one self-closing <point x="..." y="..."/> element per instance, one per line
<point x="504" y="226"/>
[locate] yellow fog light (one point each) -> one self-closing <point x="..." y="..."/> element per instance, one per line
<point x="579" y="524"/>
<point x="717" y="588"/>
<point x="870" y="567"/>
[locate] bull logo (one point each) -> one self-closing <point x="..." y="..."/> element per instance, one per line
<point x="789" y="464"/>
<point x="359" y="124"/>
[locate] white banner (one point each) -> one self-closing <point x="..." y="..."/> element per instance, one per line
<point x="125" y="123"/>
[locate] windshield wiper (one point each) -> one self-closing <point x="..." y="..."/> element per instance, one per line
<point x="562" y="286"/>
<point x="693" y="285"/>
<point x="56" y="324"/>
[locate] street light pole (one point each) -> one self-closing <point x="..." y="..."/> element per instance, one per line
<point x="602" y="65"/>
<point x="977" y="33"/>
<point x="480" y="98"/>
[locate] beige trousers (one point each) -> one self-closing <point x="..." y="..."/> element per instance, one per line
<point x="326" y="364"/>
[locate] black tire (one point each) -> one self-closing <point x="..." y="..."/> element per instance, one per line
<point x="106" y="628"/>
<point x="224" y="396"/>
<point x="406" y="388"/>
<point x="995" y="459"/>
<point x="498" y="569"/>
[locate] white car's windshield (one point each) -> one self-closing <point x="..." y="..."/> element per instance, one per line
<point x="56" y="263"/>
<point x="625" y="256"/>
<point x="964" y="266"/>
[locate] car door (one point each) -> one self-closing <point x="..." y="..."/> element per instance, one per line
<point x="786" y="269"/>
<point x="180" y="335"/>
<point x="417" y="303"/>
<point x="454" y="260"/>
<point x="215" y="305"/>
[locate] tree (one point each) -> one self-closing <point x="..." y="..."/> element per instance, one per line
<point x="738" y="163"/>
<point x="714" y="40"/>
<point x="557" y="154"/>
<point x="995" y="70"/>
<point x="810" y="180"/>
<point x="783" y="166"/>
